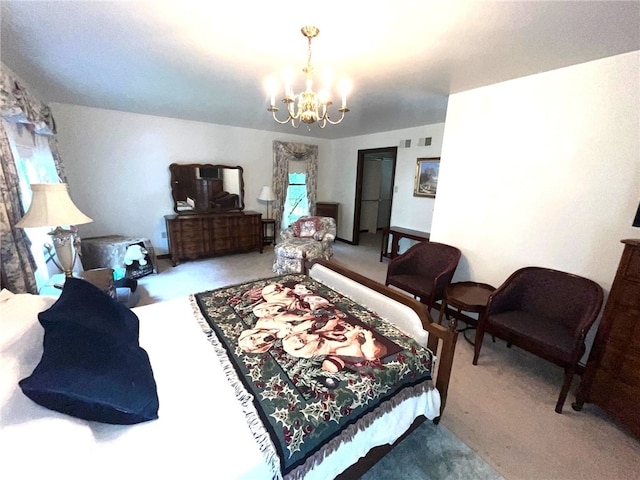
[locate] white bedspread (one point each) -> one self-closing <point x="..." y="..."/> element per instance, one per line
<point x="201" y="431"/>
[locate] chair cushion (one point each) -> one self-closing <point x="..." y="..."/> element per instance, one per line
<point x="299" y="248"/>
<point x="414" y="284"/>
<point x="92" y="366"/>
<point x="548" y="333"/>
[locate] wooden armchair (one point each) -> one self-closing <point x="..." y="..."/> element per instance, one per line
<point x="545" y="312"/>
<point x="424" y="270"/>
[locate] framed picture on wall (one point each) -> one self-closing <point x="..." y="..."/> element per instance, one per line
<point x="426" y="182"/>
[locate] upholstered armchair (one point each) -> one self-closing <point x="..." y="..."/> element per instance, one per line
<point x="545" y="312"/>
<point x="425" y="270"/>
<point x="306" y="239"/>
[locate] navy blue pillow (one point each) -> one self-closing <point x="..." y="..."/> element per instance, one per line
<point x="92" y="366"/>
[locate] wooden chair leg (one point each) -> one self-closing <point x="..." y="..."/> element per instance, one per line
<point x="443" y="312"/>
<point x="568" y="377"/>
<point x="478" y="345"/>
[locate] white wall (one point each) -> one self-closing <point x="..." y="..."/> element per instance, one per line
<point x="117" y="164"/>
<point x="340" y="176"/>
<point x="543" y="170"/>
<point x="539" y="170"/>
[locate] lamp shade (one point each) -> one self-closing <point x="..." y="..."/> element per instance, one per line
<point x="51" y="206"/>
<point x="266" y="194"/>
<point x="636" y="221"/>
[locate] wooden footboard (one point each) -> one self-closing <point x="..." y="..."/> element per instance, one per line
<point x="441" y="340"/>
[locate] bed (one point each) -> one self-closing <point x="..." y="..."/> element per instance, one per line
<point x="203" y="430"/>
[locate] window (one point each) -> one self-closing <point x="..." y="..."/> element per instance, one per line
<point x="34" y="164"/>
<point x="296" y="205"/>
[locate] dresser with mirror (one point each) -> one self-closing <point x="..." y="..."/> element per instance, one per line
<point x="209" y="218"/>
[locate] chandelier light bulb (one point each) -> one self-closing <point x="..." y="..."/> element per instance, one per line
<point x="344" y="86"/>
<point x="288" y="76"/>
<point x="308" y="106"/>
<point x="271" y="86"/>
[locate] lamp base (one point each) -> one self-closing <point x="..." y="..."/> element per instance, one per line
<point x="66" y="243"/>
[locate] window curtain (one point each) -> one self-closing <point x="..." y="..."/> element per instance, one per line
<point x="18" y="105"/>
<point x="283" y="153"/>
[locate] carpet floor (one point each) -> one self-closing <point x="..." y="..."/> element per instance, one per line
<point x="432" y="452"/>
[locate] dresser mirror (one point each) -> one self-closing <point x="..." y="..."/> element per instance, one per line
<point x="205" y="187"/>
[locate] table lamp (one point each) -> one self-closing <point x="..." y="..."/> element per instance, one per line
<point x="51" y="206"/>
<point x="267" y="195"/>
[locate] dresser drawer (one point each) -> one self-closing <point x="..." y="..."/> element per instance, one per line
<point x="203" y="235"/>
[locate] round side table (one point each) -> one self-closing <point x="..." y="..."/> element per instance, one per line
<point x="468" y="297"/>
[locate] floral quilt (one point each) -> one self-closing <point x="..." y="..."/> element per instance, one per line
<point x="310" y="366"/>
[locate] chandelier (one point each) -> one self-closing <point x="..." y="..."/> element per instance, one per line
<point x="312" y="107"/>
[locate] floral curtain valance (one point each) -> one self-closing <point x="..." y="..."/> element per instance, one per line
<point x="283" y="152"/>
<point x="17" y="105"/>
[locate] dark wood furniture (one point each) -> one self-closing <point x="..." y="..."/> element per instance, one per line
<point x="206" y="187"/>
<point x="209" y="200"/>
<point x="611" y="378"/>
<point x="328" y="209"/>
<point x="468" y="297"/>
<point x="545" y="312"/>
<point x="268" y="231"/>
<point x="424" y="271"/>
<point x="209" y="234"/>
<point x="396" y="233"/>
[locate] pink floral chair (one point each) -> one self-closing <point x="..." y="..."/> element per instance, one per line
<point x="306" y="239"/>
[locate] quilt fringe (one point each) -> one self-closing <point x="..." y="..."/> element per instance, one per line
<point x="245" y="398"/>
<point x="349" y="432"/>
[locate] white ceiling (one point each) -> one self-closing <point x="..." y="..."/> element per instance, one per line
<point x="207" y="61"/>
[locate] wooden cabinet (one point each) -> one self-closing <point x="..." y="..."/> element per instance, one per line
<point x="612" y="375"/>
<point x="327" y="209"/>
<point x="210" y="234"/>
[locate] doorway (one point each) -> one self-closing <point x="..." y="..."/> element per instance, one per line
<point x="375" y="178"/>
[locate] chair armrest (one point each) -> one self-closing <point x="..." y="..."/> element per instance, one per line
<point x="287" y="233"/>
<point x="326" y="243"/>
<point x="504" y="298"/>
<point x="325" y="236"/>
<point x="402" y="263"/>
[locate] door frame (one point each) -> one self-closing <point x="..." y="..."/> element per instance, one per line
<point x="393" y="153"/>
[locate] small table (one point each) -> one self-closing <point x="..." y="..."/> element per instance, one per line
<point x="110" y="251"/>
<point x="268" y="239"/>
<point x="468" y="297"/>
<point x="396" y="234"/>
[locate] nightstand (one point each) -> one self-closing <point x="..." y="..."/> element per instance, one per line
<point x="268" y="234"/>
